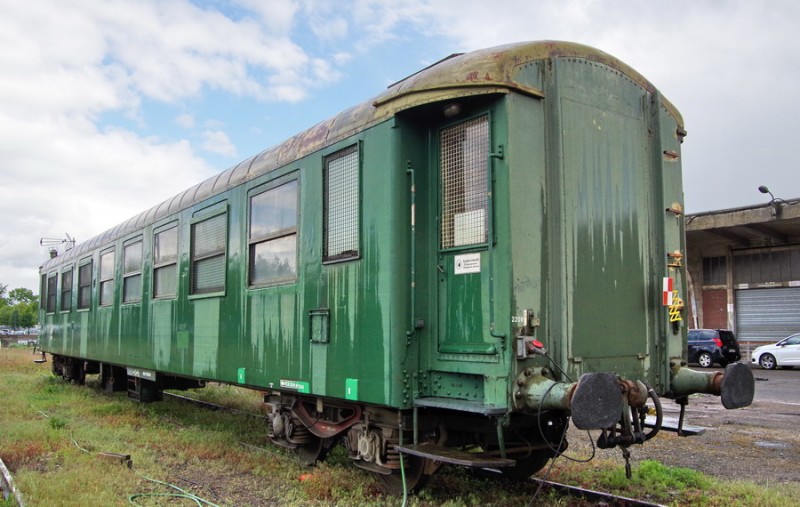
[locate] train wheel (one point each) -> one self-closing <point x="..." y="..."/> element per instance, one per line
<point x="73" y="371"/>
<point x="415" y="476"/>
<point x="313" y="450"/>
<point x="527" y="466"/>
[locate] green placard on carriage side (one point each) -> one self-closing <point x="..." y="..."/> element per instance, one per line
<point x="241" y="376"/>
<point x="351" y="389"/>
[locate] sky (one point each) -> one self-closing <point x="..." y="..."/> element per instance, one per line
<point x="108" y="107"/>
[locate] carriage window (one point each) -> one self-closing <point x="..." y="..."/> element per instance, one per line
<point x="43" y="292"/>
<point x="463" y="160"/>
<point x="107" y="278"/>
<point x="208" y="255"/>
<point x="132" y="272"/>
<point x="85" y="285"/>
<point x="66" y="290"/>
<point x="342" y="206"/>
<point x="52" y="289"/>
<point x="273" y="235"/>
<point x="165" y="263"/>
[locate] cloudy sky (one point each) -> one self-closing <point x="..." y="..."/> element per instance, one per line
<point x="108" y="107"/>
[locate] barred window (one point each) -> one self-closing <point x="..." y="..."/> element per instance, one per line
<point x="107" y="278"/>
<point x="85" y="285"/>
<point x="463" y="163"/>
<point x="273" y="235"/>
<point x="165" y="262"/>
<point x="132" y="272"/>
<point x="715" y="270"/>
<point x="342" y="205"/>
<point x="208" y="254"/>
<point x="66" y="290"/>
<point x="52" y="289"/>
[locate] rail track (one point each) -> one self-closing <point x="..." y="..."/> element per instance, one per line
<point x="211" y="406"/>
<point x="597" y="497"/>
<point x="7" y="486"/>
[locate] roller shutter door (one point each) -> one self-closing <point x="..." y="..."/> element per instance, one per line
<point x="767" y="314"/>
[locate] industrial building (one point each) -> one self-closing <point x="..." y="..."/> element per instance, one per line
<point x="744" y="270"/>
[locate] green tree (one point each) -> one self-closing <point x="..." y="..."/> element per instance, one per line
<point x="21" y="295"/>
<point x="18" y="307"/>
<point x="5" y="315"/>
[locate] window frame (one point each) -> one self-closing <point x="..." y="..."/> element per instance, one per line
<point x="201" y="216"/>
<point x="332" y="156"/>
<point x="274" y="236"/>
<point x="157" y="266"/>
<point x="127" y="275"/>
<point x="89" y="261"/>
<point x="52" y="292"/>
<point x="108" y="280"/>
<point x="66" y="289"/>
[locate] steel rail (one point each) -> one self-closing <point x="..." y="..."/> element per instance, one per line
<point x="7" y="486"/>
<point x="212" y="406"/>
<point x="596" y="496"/>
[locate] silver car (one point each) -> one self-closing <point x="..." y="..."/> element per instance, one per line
<point x="784" y="353"/>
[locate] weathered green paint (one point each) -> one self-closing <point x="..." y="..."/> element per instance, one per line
<point x="463" y="305"/>
<point x="580" y="238"/>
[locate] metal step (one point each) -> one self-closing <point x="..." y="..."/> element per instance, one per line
<point x="475" y="407"/>
<point x="454" y="456"/>
<point x="672" y="425"/>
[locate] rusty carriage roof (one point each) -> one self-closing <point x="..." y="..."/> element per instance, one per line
<point x="492" y="70"/>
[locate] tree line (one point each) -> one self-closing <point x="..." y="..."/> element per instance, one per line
<point x="19" y="308"/>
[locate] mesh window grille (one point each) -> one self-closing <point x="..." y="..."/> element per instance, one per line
<point x="463" y="160"/>
<point x="342" y="213"/>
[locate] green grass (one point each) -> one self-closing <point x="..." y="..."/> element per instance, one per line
<point x="51" y="434"/>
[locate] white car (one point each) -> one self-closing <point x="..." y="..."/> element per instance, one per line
<point x="784" y="353"/>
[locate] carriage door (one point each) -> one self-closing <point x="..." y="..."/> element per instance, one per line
<point x="462" y="259"/>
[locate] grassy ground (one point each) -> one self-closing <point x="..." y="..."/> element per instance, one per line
<point x="52" y="435"/>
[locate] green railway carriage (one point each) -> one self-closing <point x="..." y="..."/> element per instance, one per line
<point x="464" y="261"/>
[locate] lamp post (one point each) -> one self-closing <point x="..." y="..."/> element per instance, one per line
<point x="775" y="202"/>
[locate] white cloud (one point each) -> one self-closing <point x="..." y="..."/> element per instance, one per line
<point x="277" y="15"/>
<point x="342" y="58"/>
<point x="217" y="141"/>
<point x="185" y="120"/>
<point x="79" y="181"/>
<point x="67" y="66"/>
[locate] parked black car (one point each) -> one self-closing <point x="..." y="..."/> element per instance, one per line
<point x="710" y="346"/>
